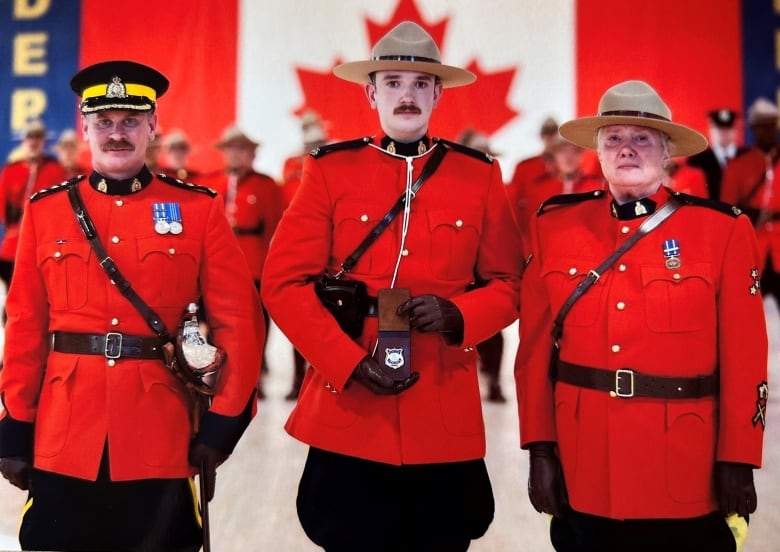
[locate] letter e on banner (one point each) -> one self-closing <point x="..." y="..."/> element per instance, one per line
<point x="30" y="54"/>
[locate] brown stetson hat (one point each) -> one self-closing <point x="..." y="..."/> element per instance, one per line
<point x="407" y="47"/>
<point x="233" y="135"/>
<point x="634" y="103"/>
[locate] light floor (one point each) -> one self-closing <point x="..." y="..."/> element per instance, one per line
<point x="254" y="507"/>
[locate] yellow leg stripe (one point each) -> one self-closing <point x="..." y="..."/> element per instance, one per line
<point x="195" y="506"/>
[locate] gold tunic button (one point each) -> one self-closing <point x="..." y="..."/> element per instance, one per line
<point x="115" y="239"/>
<point x="364" y="218"/>
<point x="622" y="268"/>
<point x="625" y="229"/>
<point x="115" y="321"/>
<point x="111" y="362"/>
<point x="676" y="276"/>
<point x="458" y="223"/>
<point x="620" y="305"/>
<point x="119" y="202"/>
<point x="251" y="199"/>
<point x="405" y="252"/>
<point x="171" y="251"/>
<point x="573" y="271"/>
<point x="57" y="254"/>
<point x="616" y="348"/>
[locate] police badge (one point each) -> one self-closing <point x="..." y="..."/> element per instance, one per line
<point x="394" y="335"/>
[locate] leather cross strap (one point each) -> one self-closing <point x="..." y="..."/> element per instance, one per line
<point x="109" y="266"/>
<point x="627" y="383"/>
<point x="428" y="169"/>
<point x="650" y="224"/>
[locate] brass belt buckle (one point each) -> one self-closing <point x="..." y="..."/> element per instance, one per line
<point x="113" y="348"/>
<point x="619" y="378"/>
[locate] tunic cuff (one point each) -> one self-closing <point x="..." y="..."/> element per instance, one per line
<point x="223" y="432"/>
<point x="16" y="438"/>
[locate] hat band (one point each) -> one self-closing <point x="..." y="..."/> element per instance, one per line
<point x="418" y="59"/>
<point x="130" y="89"/>
<point x="643" y="114"/>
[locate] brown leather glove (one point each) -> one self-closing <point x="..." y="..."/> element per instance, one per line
<point x="16" y="471"/>
<point x="369" y="374"/>
<point x="431" y="313"/>
<point x="546" y="487"/>
<point x="207" y="459"/>
<point x="734" y="488"/>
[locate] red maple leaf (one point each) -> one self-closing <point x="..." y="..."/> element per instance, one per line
<point x="345" y="110"/>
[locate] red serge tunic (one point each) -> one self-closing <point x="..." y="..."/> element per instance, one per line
<point x="645" y="457"/>
<point x="76" y="404"/>
<point x="460" y="228"/>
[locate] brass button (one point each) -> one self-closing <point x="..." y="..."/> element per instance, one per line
<point x="111" y="362"/>
<point x="364" y="218"/>
<point x="625" y="229"/>
<point x="115" y="321"/>
<point x="616" y="348"/>
<point x="57" y="254"/>
<point x="115" y="239"/>
<point x="573" y="271"/>
<point x="404" y="252"/>
<point x="458" y="223"/>
<point x="171" y="251"/>
<point x="119" y="202"/>
<point x="677" y="276"/>
<point x="622" y="267"/>
<point x="620" y="305"/>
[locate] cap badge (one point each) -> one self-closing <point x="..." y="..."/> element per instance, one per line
<point x="116" y="89"/>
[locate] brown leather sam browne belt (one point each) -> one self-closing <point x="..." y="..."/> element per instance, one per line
<point x="111" y="345"/>
<point x="628" y="383"/>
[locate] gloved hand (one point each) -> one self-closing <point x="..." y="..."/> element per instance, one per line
<point x="431" y="313"/>
<point x="546" y="487"/>
<point x="734" y="488"/>
<point x="207" y="459"/>
<point x="17" y="471"/>
<point x="369" y="374"/>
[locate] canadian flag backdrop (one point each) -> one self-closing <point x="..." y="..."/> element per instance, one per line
<point x="260" y="63"/>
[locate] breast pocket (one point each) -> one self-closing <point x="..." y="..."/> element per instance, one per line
<point x="678" y="300"/>
<point x="64" y="269"/>
<point x="561" y="276"/>
<point x="169" y="269"/>
<point x="352" y="222"/>
<point x="454" y="243"/>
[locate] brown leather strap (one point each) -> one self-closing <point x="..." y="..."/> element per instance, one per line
<point x="627" y="383"/>
<point x="111" y="345"/>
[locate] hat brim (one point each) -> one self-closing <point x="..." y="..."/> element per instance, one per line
<point x="359" y="71"/>
<point x="684" y="141"/>
<point x="237" y="142"/>
<point x="130" y="103"/>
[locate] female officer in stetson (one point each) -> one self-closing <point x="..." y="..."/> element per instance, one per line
<point x="94" y="424"/>
<point x="655" y="408"/>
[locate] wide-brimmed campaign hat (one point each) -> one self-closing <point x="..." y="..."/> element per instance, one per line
<point x="118" y="85"/>
<point x="234" y="136"/>
<point x="407" y="47"/>
<point x="634" y="103"/>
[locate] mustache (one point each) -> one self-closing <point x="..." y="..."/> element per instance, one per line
<point x="407" y="109"/>
<point x="117" y="145"/>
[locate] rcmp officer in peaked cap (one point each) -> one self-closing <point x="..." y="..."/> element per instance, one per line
<point x="94" y="425"/>
<point x="396" y="462"/>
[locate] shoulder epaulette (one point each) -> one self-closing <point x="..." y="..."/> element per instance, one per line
<point x="57" y="188"/>
<point x="568" y="199"/>
<point x="726" y="208"/>
<point x="187" y="185"/>
<point x="481" y="155"/>
<point x="339" y="146"/>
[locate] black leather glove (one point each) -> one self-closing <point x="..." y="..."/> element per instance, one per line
<point x="546" y="487"/>
<point x="734" y="488"/>
<point x="431" y="313"/>
<point x="369" y="374"/>
<point x="17" y="471"/>
<point x="207" y="459"/>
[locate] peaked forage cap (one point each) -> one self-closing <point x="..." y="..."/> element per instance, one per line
<point x="406" y="47"/>
<point x="636" y="103"/>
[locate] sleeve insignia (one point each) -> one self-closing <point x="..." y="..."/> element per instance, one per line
<point x="763" y="395"/>
<point x="756" y="285"/>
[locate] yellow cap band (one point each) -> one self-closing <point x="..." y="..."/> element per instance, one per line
<point x="130" y="89"/>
